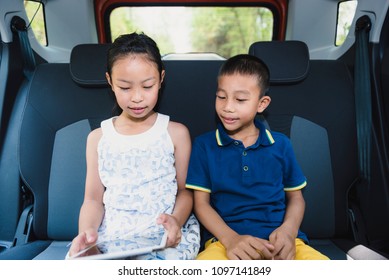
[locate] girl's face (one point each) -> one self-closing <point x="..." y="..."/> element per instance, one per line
<point x="136" y="81"/>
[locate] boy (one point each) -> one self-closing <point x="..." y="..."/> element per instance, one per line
<point x="246" y="179"/>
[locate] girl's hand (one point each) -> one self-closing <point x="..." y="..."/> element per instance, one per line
<point x="171" y="225"/>
<point x="83" y="240"/>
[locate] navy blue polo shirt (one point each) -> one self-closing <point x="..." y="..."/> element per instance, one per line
<point x="246" y="184"/>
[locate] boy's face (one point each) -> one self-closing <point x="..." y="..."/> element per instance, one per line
<point x="238" y="100"/>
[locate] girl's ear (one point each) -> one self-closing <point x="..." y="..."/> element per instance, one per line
<point x="263" y="103"/>
<point x="108" y="77"/>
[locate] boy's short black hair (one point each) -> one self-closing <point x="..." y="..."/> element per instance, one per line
<point x="246" y="64"/>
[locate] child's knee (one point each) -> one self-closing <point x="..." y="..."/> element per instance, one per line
<point x="306" y="252"/>
<point x="213" y="251"/>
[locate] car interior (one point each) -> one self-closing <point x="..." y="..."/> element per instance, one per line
<point x="332" y="101"/>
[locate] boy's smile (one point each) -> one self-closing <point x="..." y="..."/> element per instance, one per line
<point x="228" y="120"/>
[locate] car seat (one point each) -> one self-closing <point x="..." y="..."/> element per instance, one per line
<point x="62" y="105"/>
<point x="313" y="104"/>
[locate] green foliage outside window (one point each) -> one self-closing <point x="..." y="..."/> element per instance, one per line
<point x="346" y="12"/>
<point x="223" y="30"/>
<point x="36" y="19"/>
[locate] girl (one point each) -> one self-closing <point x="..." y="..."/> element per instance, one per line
<point x="137" y="164"/>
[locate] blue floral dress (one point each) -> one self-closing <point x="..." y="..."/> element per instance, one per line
<point x="139" y="177"/>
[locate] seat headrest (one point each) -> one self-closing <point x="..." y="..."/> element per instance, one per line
<point x="88" y="64"/>
<point x="288" y="61"/>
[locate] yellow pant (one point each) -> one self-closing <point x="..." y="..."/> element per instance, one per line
<point x="216" y="251"/>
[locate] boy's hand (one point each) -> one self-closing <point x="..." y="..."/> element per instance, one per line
<point x="83" y="240"/>
<point x="171" y="225"/>
<point x="247" y="247"/>
<point x="284" y="244"/>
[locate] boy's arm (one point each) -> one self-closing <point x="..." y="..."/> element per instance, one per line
<point x="283" y="238"/>
<point x="237" y="246"/>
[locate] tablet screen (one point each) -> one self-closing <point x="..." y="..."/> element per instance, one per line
<point x="93" y="253"/>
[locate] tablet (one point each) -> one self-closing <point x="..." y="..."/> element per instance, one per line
<point x="86" y="255"/>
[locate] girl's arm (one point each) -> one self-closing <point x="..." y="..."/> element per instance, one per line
<point x="283" y="238"/>
<point x="182" y="148"/>
<point x="92" y="209"/>
<point x="184" y="200"/>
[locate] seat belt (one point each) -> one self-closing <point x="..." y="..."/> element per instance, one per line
<point x="18" y="26"/>
<point x="363" y="107"/>
<point x="363" y="96"/>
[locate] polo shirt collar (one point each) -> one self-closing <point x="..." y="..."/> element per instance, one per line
<point x="265" y="137"/>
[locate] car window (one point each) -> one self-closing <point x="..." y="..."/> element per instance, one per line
<point x="35" y="14"/>
<point x="225" y="31"/>
<point x="346" y="12"/>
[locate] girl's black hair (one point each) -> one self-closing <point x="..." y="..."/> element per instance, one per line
<point x="134" y="43"/>
<point x="246" y="64"/>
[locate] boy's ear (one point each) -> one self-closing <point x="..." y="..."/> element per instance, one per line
<point x="263" y="103"/>
<point x="162" y="75"/>
<point x="108" y="77"/>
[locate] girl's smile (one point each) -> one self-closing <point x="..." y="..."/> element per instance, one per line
<point x="137" y="110"/>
